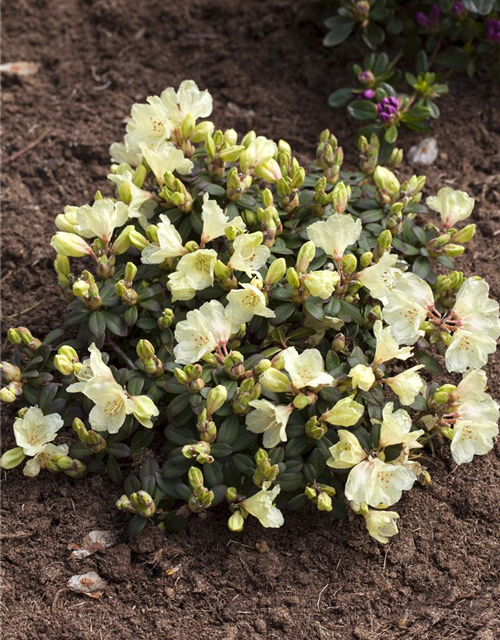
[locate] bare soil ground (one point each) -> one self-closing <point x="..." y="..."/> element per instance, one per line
<point x="265" y="66"/>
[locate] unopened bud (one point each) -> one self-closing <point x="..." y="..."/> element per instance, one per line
<point x="276" y="271"/>
<point x="349" y="263"/>
<point x="166" y="319"/>
<point x="466" y="234"/>
<point x="385" y="240"/>
<point x="236" y="522"/>
<point x="386" y="181"/>
<point x="453" y="250"/>
<point x="145" y="349"/>
<point x="63" y="365"/>
<point x="231" y="494"/>
<point x="324" y="502"/>
<point x="340" y="197"/>
<point x="216" y="399"/>
<point x="195" y="477"/>
<point x="12" y="458"/>
<point x="306" y="255"/>
<point x="293" y="277"/>
<point x="7" y="395"/>
<point x="10" y="372"/>
<point x="441" y="397"/>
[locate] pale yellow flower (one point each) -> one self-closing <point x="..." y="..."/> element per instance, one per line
<point x="347" y="453"/>
<point x="34" y="430"/>
<point x="453" y="206"/>
<point x="269" y="419"/>
<point x="362" y="376"/>
<point x="261" y="507"/>
<point x="335" y="234"/>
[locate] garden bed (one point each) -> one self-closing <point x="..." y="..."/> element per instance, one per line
<point x="266" y="68"/>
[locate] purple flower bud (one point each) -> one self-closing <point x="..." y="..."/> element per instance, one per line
<point x="493" y="31"/>
<point x="388" y="109"/>
<point x="368" y="94"/>
<point x="458" y="7"/>
<point x="366" y="77"/>
<point x="431" y="20"/>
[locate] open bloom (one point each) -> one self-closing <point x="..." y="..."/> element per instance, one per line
<point x="246" y="303"/>
<point x="453" y="206"/>
<point x="377" y="483"/>
<point x="396" y="428"/>
<point x="344" y="413"/>
<point x="195" y="271"/>
<point x="215" y="222"/>
<point x="347" y="453"/>
<point x="169" y="244"/>
<point x="121" y="152"/>
<point x="407" y="384"/>
<point x="387" y="347"/>
<point x="43" y="457"/>
<point x="321" y="283"/>
<point x="34" y="430"/>
<point x="478" y="327"/>
<point x="201" y="332"/>
<point x="269" y="419"/>
<point x="407" y="307"/>
<point x="149" y="125"/>
<point x="261" y="507"/>
<point x="477" y="415"/>
<point x="258" y="158"/>
<point x="379" y="278"/>
<point x="335" y="234"/>
<point x="166" y="157"/>
<point x="102" y="218"/>
<point x="187" y="100"/>
<point x="381" y="525"/>
<point x="249" y="253"/>
<point x="306" y="369"/>
<point x="92" y="369"/>
<point x="113" y="404"/>
<point x="362" y="376"/>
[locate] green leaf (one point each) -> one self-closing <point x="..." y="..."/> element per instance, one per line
<point x="430" y="363"/>
<point x="373" y="35"/>
<point x="422" y="267"/>
<point x="362" y="110"/>
<point x="340" y="27"/>
<point x="391" y="134"/>
<point x="314" y="306"/>
<point x="97" y="324"/>
<point x="113" y="471"/>
<point x="341" y="98"/>
<point x="283" y="312"/>
<point x="136" y="524"/>
<point x="118" y="450"/>
<point x="141" y="440"/>
<point x="290" y="481"/>
<point x="131" y="315"/>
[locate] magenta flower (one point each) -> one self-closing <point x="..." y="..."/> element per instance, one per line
<point x="493" y="30"/>
<point x="430" y="21"/>
<point x="388" y="109"/>
<point x="367" y="94"/>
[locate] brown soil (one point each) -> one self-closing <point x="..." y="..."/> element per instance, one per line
<point x="265" y="66"/>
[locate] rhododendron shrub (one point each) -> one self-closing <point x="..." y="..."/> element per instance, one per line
<point x="243" y="332"/>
